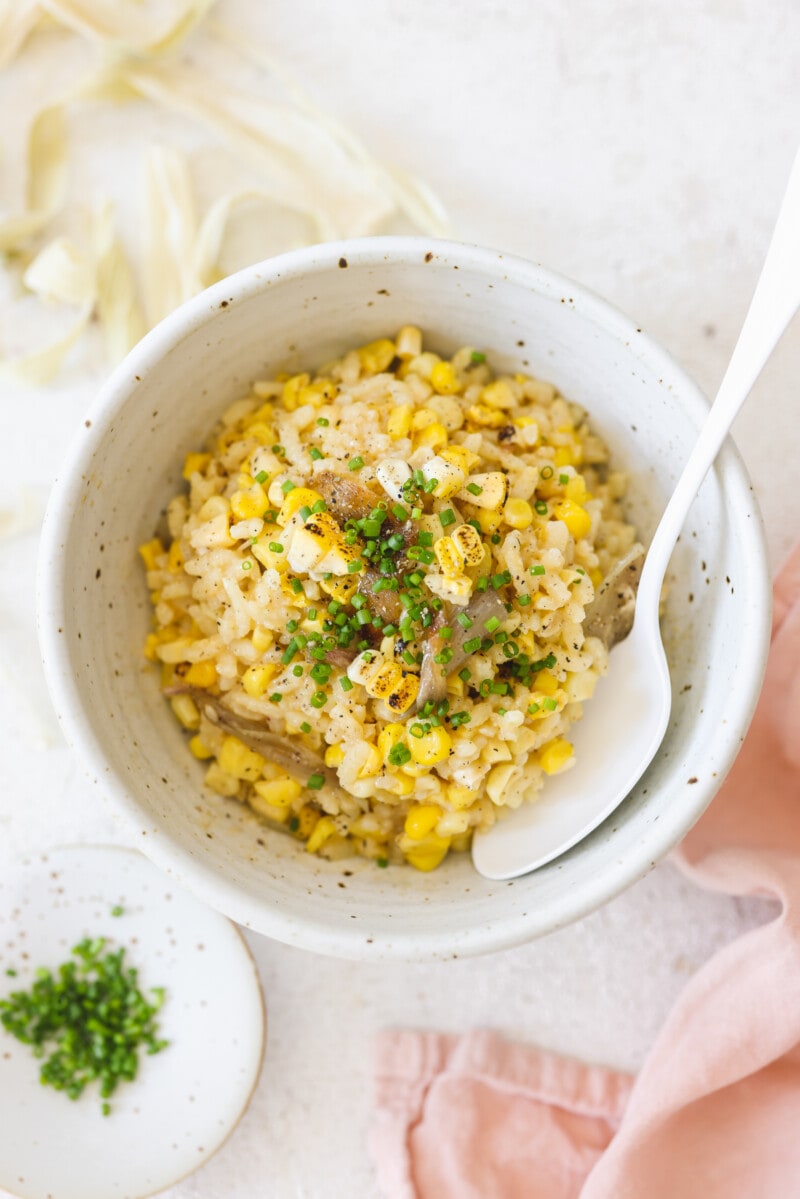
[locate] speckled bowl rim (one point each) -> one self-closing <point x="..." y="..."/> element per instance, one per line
<point x="203" y="879"/>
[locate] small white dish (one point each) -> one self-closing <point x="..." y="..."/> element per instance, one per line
<point x="185" y="1100"/>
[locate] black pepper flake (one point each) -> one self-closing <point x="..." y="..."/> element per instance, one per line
<point x="342" y="262"/>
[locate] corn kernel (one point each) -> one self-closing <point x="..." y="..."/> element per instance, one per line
<point x="261" y="432"/>
<point x="433" y="436"/>
<point x="468" y="542"/>
<point x="404" y="694"/>
<point x="291" y="390"/>
<point x="401" y="784"/>
<point x="298" y="497"/>
<point x="151" y="550"/>
<point x="199" y="748"/>
<point x="399" y="421"/>
<point x="186" y="711"/>
<point x="175" y="559"/>
<point x="554" y="755"/>
<point x="262" y="639"/>
<point x="429" y="853"/>
<point x="567" y="456"/>
<point x="201" y="674"/>
<point x="323" y="831"/>
<point x="307" y="818"/>
<point x="422" y="819"/>
<point x="383" y="682"/>
<point x="221" y="782"/>
<point x="497" y="780"/>
<point x="576" y="518"/>
<point x="487" y="418"/>
<point x="256" y="679"/>
<point x="431" y="748"/>
<point x="422" y="418"/>
<point x="376" y="356"/>
<point x="195" y="462"/>
<point x="449" y="557"/>
<point x="596" y="575"/>
<point x="334" y="755"/>
<point x="498" y="395"/>
<point x="576" y="490"/>
<point x="151" y="644"/>
<point x="408" y="343"/>
<point x="460" y="797"/>
<point x="268" y="810"/>
<point x="444" y="379"/>
<point x="342" y="590"/>
<point x="175" y="651"/>
<point x="249" y="504"/>
<point x="461" y="457"/>
<point x="320" y="392"/>
<point x="371" y="765"/>
<point x="489" y="521"/>
<point x="280" y="792"/>
<point x="546" y="682"/>
<point x="388" y="737"/>
<point x="239" y="761"/>
<point x="518" y="514"/>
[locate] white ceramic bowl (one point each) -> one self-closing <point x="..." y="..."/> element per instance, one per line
<point x="302" y="309"/>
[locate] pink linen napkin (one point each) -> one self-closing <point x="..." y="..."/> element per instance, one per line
<point x="715" y="1110"/>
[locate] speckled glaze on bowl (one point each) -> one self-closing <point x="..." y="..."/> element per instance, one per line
<point x="300" y="310"/>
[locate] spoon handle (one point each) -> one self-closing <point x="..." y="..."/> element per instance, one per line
<point x="775" y="301"/>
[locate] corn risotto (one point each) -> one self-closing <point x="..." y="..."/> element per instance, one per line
<point x="370" y="601"/>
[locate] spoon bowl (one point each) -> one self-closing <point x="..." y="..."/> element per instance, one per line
<point x="630" y="711"/>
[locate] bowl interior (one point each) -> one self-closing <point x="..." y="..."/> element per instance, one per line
<point x="299" y="311"/>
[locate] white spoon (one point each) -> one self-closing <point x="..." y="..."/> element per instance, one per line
<point x="626" y="720"/>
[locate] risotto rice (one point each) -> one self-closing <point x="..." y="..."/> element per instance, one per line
<point x="370" y="610"/>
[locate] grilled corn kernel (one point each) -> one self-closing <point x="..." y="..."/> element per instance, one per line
<point x="261" y="638"/>
<point x="175" y="559"/>
<point x="449" y="557"/>
<point x="554" y="755"/>
<point x="383" y="682"/>
<point x="280" y="792"/>
<point x="199" y="748"/>
<point x="151" y="550"/>
<point x="185" y="709"/>
<point x="422" y="819"/>
<point x="201" y="674"/>
<point x="320" y="392"/>
<point x="388" y="737"/>
<point x="256" y="679"/>
<point x="431" y="748"/>
<point x="460" y="797"/>
<point x="307" y="819"/>
<point x="518" y="514"/>
<point x="488" y="520"/>
<point x="576" y="518"/>
<point x="323" y="831"/>
<point x="291" y="390"/>
<point x="429" y="853"/>
<point x="376" y="356"/>
<point x="434" y="436"/>
<point x="298" y="497"/>
<point x="467" y="540"/>
<point x="449" y="477"/>
<point x="246" y="505"/>
<point x="340" y="590"/>
<point x="237" y="760"/>
<point x="404" y="694"/>
<point x="334" y="755"/>
<point x="399" y="421"/>
<point x="444" y="379"/>
<point x="195" y="462"/>
<point x="221" y="782"/>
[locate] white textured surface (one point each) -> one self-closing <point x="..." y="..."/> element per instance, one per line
<point x="643" y="150"/>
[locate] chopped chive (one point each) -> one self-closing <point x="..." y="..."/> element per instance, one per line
<point x="425" y="539"/>
<point x="399" y="512"/>
<point x="416" y="730"/>
<point x="496" y="538"/>
<point x="323" y="422"/>
<point x="474" y="488"/>
<point x="382" y="862"/>
<point x="472" y="645"/>
<point x="356" y="463"/>
<point x="477" y="356"/>
<point x="345" y="683"/>
<point x="289" y="652"/>
<point x="547" y="472"/>
<point x="399" y="754"/>
<point x="431" y="485"/>
<point x="482" y="583"/>
<point x="465" y="675"/>
<point x="354" y="567"/>
<point x="523" y="600"/>
<point x="316" y="782"/>
<point x="416" y="513"/>
<point x="389" y="630"/>
<point x="563" y="480"/>
<point x="541" y="507"/>
<point x="511" y="649"/>
<point x="287" y="486"/>
<point x="491" y="624"/>
<point x="276" y="697"/>
<point x="294" y="823"/>
<point x="291" y="626"/>
<point x="459" y="718"/>
<point x="319" y="699"/>
<point x="305" y="727"/>
<point x="532" y="709"/>
<point x="447" y="517"/>
<point x="446" y="633"/>
<point x="409" y="658"/>
<point x="247" y="564"/>
<point x="262" y="476"/>
<point x="296" y="586"/>
<point x="497" y="687"/>
<point x="276" y="547"/>
<point x="537" y="570"/>
<point x="315" y="454"/>
<point x="372" y="528"/>
<point x="444" y="657"/>
<point x="465" y="621"/>
<point x="278" y="450"/>
<point x="118" y="910"/>
<point x="320" y="506"/>
<point x="297" y="671"/>
<point x="549" y="703"/>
